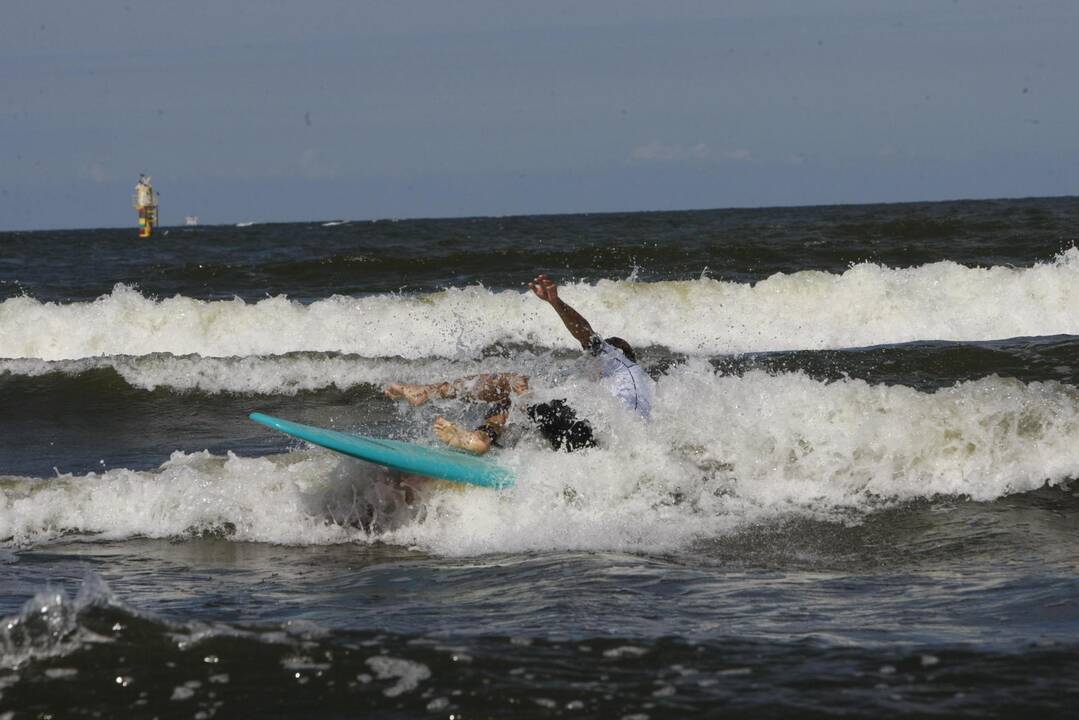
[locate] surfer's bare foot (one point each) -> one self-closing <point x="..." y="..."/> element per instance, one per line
<point x="415" y="394"/>
<point x="473" y="441"/>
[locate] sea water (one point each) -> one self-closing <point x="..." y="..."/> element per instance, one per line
<point x="854" y="495"/>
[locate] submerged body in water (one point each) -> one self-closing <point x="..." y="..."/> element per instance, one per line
<point x="616" y="367"/>
<point x="853" y="496"/>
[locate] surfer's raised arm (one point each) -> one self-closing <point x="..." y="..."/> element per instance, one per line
<point x="546" y="289"/>
<point x="557" y="421"/>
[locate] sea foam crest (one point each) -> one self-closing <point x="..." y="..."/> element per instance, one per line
<point x="257" y="499"/>
<point x="866" y="305"/>
<point x="273" y="374"/>
<point x="720" y="452"/>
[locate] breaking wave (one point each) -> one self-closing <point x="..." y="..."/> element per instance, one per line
<point x="866" y="305"/>
<point x="721" y="452"/>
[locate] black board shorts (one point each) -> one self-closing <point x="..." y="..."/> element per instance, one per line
<point x="556" y="421"/>
<point x="559" y="424"/>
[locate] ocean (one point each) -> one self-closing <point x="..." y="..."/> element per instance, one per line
<point x="855" y="496"/>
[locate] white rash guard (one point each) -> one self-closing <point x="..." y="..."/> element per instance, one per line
<point x="625" y="379"/>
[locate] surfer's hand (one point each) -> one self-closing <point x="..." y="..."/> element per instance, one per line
<point x="544" y="288"/>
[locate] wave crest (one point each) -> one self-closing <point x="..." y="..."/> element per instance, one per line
<point x="866" y="305"/>
<point x="720" y="452"/>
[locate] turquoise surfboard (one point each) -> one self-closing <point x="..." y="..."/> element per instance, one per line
<point x="427" y="461"/>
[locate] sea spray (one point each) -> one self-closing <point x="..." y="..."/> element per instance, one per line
<point x="274" y="374"/>
<point x="48" y="624"/>
<point x="720" y="452"/>
<point x="866" y="305"/>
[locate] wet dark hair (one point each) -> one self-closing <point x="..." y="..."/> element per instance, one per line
<point x="622" y="345"/>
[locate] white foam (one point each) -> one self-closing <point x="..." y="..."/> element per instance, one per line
<point x="866" y="305"/>
<point x="720" y="452"/>
<point x="275" y="374"/>
<point x="407" y="673"/>
<point x="259" y="499"/>
<point x="725" y="451"/>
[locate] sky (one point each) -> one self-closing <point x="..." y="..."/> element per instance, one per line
<point x="280" y="110"/>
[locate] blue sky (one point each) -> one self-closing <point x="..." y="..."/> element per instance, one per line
<point x="323" y="109"/>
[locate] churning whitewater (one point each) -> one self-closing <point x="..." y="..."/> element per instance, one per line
<point x="720" y="452"/>
<point x="868" y="304"/>
<point x="858" y="473"/>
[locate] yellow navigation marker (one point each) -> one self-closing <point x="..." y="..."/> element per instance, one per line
<point x="145" y="202"/>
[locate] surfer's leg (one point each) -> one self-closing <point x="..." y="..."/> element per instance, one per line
<point x="416" y="394"/>
<point x="474" y="441"/>
<point x="482" y="438"/>
<point x="496" y="387"/>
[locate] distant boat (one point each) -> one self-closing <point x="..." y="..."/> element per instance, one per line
<point x="191" y="220"/>
<point x="245" y="224"/>
<point x="335" y="223"/>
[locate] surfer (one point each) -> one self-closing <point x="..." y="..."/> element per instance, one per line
<point x="557" y="421"/>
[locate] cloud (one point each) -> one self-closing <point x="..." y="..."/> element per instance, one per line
<point x="314" y="165"/>
<point x="660" y="152"/>
<point x="96" y="172"/>
<point x="657" y="152"/>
